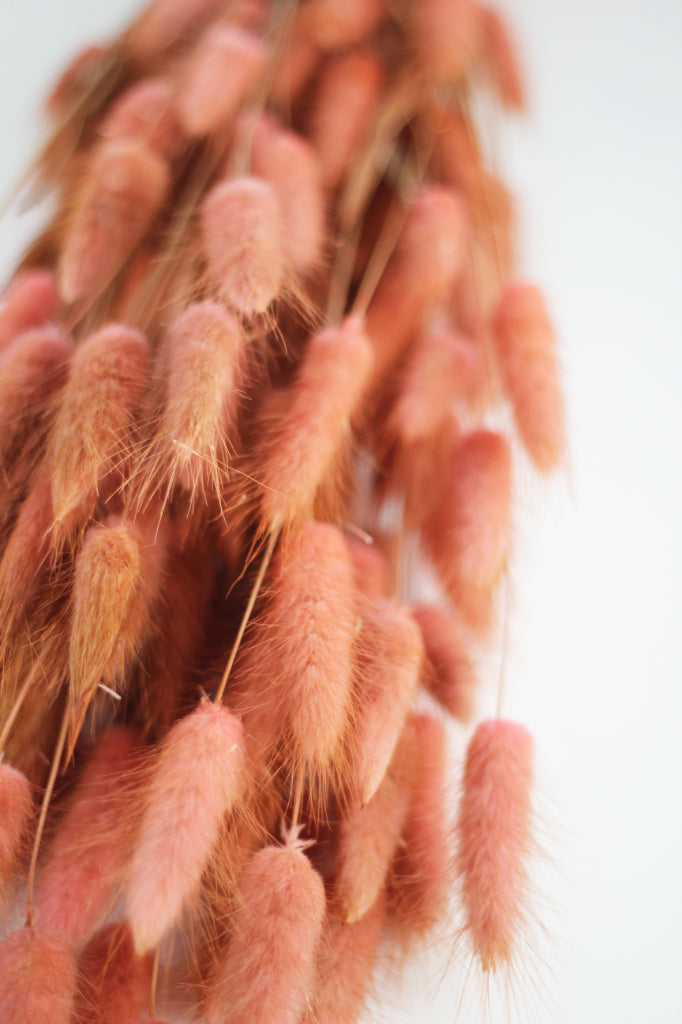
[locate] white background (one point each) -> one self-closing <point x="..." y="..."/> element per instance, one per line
<point x="593" y="658"/>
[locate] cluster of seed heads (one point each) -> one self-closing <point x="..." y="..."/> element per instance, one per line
<point x="248" y="380"/>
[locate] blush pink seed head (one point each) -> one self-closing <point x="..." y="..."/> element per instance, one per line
<point x="80" y="880"/>
<point x="124" y="188"/>
<point x="309" y="438"/>
<point x="241" y="230"/>
<point x="309" y="629"/>
<point x="292" y="167"/>
<point x="526" y="351"/>
<point x="334" y="24"/>
<point x="148" y="111"/>
<point x="113" y="982"/>
<point x="221" y="72"/>
<point x="448" y="37"/>
<point x="493" y="835"/>
<point x="16" y="801"/>
<point x="37" y="978"/>
<point x="345" y="99"/>
<point x="30" y="301"/>
<point x="389" y="657"/>
<point x="468" y="534"/>
<point x="167" y="23"/>
<point x="93" y="431"/>
<point x="345" y="965"/>
<point x="268" y="970"/>
<point x="199" y="404"/>
<point x="449" y="673"/>
<point x="368" y="836"/>
<point x="198" y="777"/>
<point x="421" y="871"/>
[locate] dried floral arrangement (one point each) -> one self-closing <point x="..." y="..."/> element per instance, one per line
<point x="249" y="377"/>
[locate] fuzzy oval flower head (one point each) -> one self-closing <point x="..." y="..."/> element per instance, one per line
<point x="493" y="831"/>
<point x="198" y="776"/>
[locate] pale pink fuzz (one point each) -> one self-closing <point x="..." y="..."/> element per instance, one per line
<point x="308" y="631"/>
<point x="199" y="403"/>
<point x="198" y="776"/>
<point x="447" y="36"/>
<point x="389" y="656"/>
<point x="148" y="111"/>
<point x="368" y="837"/>
<point x="468" y="534"/>
<point x="333" y="24"/>
<point x="421" y="871"/>
<point x="305" y="442"/>
<point x="93" y="431"/>
<point x="241" y="230"/>
<point x="443" y="367"/>
<point x="428" y="260"/>
<point x="221" y="72"/>
<point x="493" y="832"/>
<point x="526" y="350"/>
<point x="503" y="60"/>
<point x="116" y="580"/>
<point x="292" y="167"/>
<point x="15" y="808"/>
<point x="345" y="966"/>
<point x="80" y="880"/>
<point x="30" y="301"/>
<point x="345" y="98"/>
<point x="166" y="23"/>
<point x="124" y="188"/>
<point x="37" y="979"/>
<point x="268" y="970"/>
<point x="113" y="982"/>
<point x="449" y="673"/>
<point x="33" y="369"/>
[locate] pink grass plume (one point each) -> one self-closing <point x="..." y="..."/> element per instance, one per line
<point x="33" y="369"/>
<point x="526" y="350"/>
<point x="113" y="981"/>
<point x="494" y="840"/>
<point x="449" y="673"/>
<point x="116" y="580"/>
<point x="305" y="646"/>
<point x="335" y="24"/>
<point x="124" y="187"/>
<point x="37" y="979"/>
<point x="268" y="970"/>
<point x="468" y="534"/>
<point x="368" y="836"/>
<point x="198" y="776"/>
<point x="94" y="428"/>
<point x="30" y="301"/>
<point x="346" y="95"/>
<point x="421" y="870"/>
<point x="222" y="70"/>
<point x="293" y="169"/>
<point x="303" y="446"/>
<point x="199" y="405"/>
<point x="85" y="864"/>
<point x="148" y="111"/>
<point x="346" y="960"/>
<point x="389" y="654"/>
<point x="16" y="803"/>
<point x="241" y="231"/>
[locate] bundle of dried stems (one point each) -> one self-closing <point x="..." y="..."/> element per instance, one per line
<point x="249" y="376"/>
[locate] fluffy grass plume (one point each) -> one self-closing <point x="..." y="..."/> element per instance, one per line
<point x="265" y="374"/>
